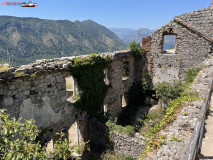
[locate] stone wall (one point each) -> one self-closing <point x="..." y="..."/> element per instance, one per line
<point x="201" y="19"/>
<point x="187" y="118"/>
<point x="193" y="45"/>
<point x="128" y="145"/>
<point x="39" y="91"/>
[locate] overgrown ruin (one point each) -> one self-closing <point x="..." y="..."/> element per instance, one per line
<point x="39" y="90"/>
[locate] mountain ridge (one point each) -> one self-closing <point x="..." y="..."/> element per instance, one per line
<point x="128" y="34"/>
<point x="25" y="39"/>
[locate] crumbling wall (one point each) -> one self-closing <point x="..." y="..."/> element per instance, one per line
<point x="38" y="91"/>
<point x="192" y="46"/>
<point x="118" y="84"/>
<point x="201" y="19"/>
<point x="128" y="145"/>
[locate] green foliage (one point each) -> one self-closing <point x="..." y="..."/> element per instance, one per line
<point x="185" y="113"/>
<point x="4" y="67"/>
<point x="33" y="75"/>
<point x="18" y="141"/>
<point x="175" y="139"/>
<point x="150" y="120"/>
<point x="18" y="74"/>
<point x="118" y="128"/>
<point x="136" y="49"/>
<point x="112" y="156"/>
<point x="191" y="74"/>
<point x="208" y="110"/>
<point x="167" y="91"/>
<point x="54" y="39"/>
<point x="174" y="106"/>
<point x="125" y="69"/>
<point x="89" y="73"/>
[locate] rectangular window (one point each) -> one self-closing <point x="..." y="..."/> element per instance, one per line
<point x="169" y="44"/>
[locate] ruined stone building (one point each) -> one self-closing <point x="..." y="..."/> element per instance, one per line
<point x="40" y="92"/>
<point x="194" y="37"/>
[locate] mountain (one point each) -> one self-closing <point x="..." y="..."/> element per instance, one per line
<point x="122" y="33"/>
<point x="138" y="35"/>
<point x="23" y="40"/>
<point x="129" y="35"/>
<point x="169" y="41"/>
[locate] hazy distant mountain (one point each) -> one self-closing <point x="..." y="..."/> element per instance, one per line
<point x="169" y="41"/>
<point x="23" y="40"/>
<point x="122" y="33"/>
<point x="129" y="35"/>
<point x="138" y="35"/>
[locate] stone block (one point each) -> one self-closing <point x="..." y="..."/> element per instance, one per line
<point x="8" y="101"/>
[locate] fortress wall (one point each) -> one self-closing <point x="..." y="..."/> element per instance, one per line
<point x="38" y="91"/>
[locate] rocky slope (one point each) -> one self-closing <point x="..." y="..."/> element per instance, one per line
<point x="23" y="40"/>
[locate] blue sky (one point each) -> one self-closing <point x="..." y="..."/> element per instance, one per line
<point x="136" y="14"/>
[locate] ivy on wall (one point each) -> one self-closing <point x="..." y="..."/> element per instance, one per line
<point x="89" y="73"/>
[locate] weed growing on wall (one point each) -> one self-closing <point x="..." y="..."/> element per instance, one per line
<point x="125" y="69"/>
<point x="174" y="106"/>
<point x="175" y="101"/>
<point x="113" y="127"/>
<point x="167" y="91"/>
<point x="89" y="73"/>
<point x="112" y="156"/>
<point x="191" y="73"/>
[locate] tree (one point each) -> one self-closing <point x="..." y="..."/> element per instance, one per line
<point x="136" y="48"/>
<point x="17" y="141"/>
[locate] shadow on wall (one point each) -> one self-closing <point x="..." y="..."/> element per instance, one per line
<point x="140" y="93"/>
<point x="76" y="134"/>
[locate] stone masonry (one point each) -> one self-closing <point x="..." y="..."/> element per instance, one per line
<point x="38" y="90"/>
<point x="129" y="145"/>
<point x="186" y="121"/>
<point x="194" y="43"/>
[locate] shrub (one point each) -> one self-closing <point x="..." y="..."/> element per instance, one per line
<point x="125" y="69"/>
<point x="136" y="49"/>
<point x="129" y="129"/>
<point x="174" y="106"/>
<point x="168" y="91"/>
<point x="191" y="74"/>
<point x="118" y="128"/>
<point x="18" y="141"/>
